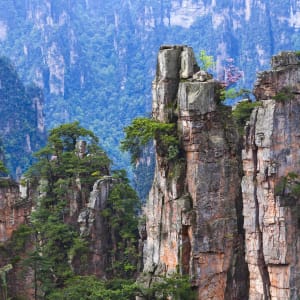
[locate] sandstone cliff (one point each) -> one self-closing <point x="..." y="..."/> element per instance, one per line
<point x="226" y="217"/>
<point x="84" y="209"/>
<point x="195" y="212"/>
<point x="271" y="164"/>
<point x="194" y="222"/>
<point x="14" y="208"/>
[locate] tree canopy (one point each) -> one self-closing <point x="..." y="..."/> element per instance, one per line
<point x="143" y="130"/>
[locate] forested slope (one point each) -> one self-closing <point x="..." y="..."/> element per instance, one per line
<point x="94" y="60"/>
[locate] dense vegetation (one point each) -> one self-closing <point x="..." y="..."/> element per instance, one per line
<point x="50" y="245"/>
<point x="19" y="134"/>
<point x="285" y="94"/>
<point x="57" y="242"/>
<point x="143" y="130"/>
<point x="242" y="112"/>
<point x="288" y="186"/>
<point x="95" y="60"/>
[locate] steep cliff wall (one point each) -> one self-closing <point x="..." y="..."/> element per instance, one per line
<point x="14" y="208"/>
<point x="18" y="240"/>
<point x="22" y="129"/>
<point x="271" y="165"/>
<point x="194" y="223"/>
<point x="97" y="58"/>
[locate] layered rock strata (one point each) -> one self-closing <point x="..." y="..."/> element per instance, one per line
<point x="83" y="211"/>
<point x="194" y="222"/>
<point x="271" y="211"/>
<point x="94" y="227"/>
<point x="15" y="208"/>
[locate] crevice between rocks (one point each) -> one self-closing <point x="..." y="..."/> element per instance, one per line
<point x="263" y="269"/>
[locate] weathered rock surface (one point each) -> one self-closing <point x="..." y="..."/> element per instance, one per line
<point x="271" y="151"/>
<point x="14" y="209"/>
<point x="83" y="211"/>
<point x="94" y="226"/>
<point x="193" y="223"/>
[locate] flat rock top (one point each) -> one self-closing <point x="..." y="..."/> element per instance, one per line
<point x="284" y="59"/>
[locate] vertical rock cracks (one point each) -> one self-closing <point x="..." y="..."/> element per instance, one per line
<point x="203" y="236"/>
<point x="263" y="269"/>
<point x="193" y="206"/>
<point x="271" y="152"/>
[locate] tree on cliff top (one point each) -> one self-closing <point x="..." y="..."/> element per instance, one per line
<point x="143" y="130"/>
<point x="207" y="62"/>
<point x="61" y="159"/>
<point x="62" y="163"/>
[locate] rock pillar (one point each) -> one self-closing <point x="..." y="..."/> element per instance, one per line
<point x="194" y="211"/>
<point x="271" y="210"/>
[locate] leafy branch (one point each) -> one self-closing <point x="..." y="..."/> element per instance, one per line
<point x="144" y="130"/>
<point x="206" y="61"/>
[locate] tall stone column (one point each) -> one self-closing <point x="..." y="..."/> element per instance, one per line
<point x="271" y="210"/>
<point x="194" y="211"/>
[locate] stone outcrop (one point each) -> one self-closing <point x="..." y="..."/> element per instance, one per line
<point x="194" y="222"/>
<point x="271" y="215"/>
<point x="83" y="212"/>
<point x="94" y="227"/>
<point x="14" y="208"/>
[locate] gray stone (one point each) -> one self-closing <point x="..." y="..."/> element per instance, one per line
<point x="188" y="63"/>
<point x="202" y="76"/>
<point x="168" y="63"/>
<point x="191" y="213"/>
<point x="196" y="98"/>
<point x="284" y="59"/>
<point x="271" y="152"/>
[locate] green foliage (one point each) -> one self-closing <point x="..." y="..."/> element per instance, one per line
<point x="3" y="282"/>
<point x="284" y="95"/>
<point x="3" y="169"/>
<point x="288" y="186"/>
<point x="176" y="287"/>
<point x="207" y="62"/>
<point x="59" y="161"/>
<point x="60" y="164"/>
<point x="18" y="122"/>
<point x="242" y="111"/>
<point x="4" y="182"/>
<point x="91" y="288"/>
<point x="20" y="237"/>
<point x="233" y="93"/>
<point x="65" y="137"/>
<point x="122" y="214"/>
<point x="143" y="130"/>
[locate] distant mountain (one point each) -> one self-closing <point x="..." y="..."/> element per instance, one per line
<point x="22" y="129"/>
<point x="95" y="60"/>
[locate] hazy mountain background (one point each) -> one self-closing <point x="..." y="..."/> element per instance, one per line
<point x="94" y="60"/>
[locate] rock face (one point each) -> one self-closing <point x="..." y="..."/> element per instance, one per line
<point x="94" y="226"/>
<point x="194" y="222"/>
<point x="94" y="57"/>
<point x="84" y="213"/>
<point x="22" y="128"/>
<point x="14" y="209"/>
<point x="271" y="212"/>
